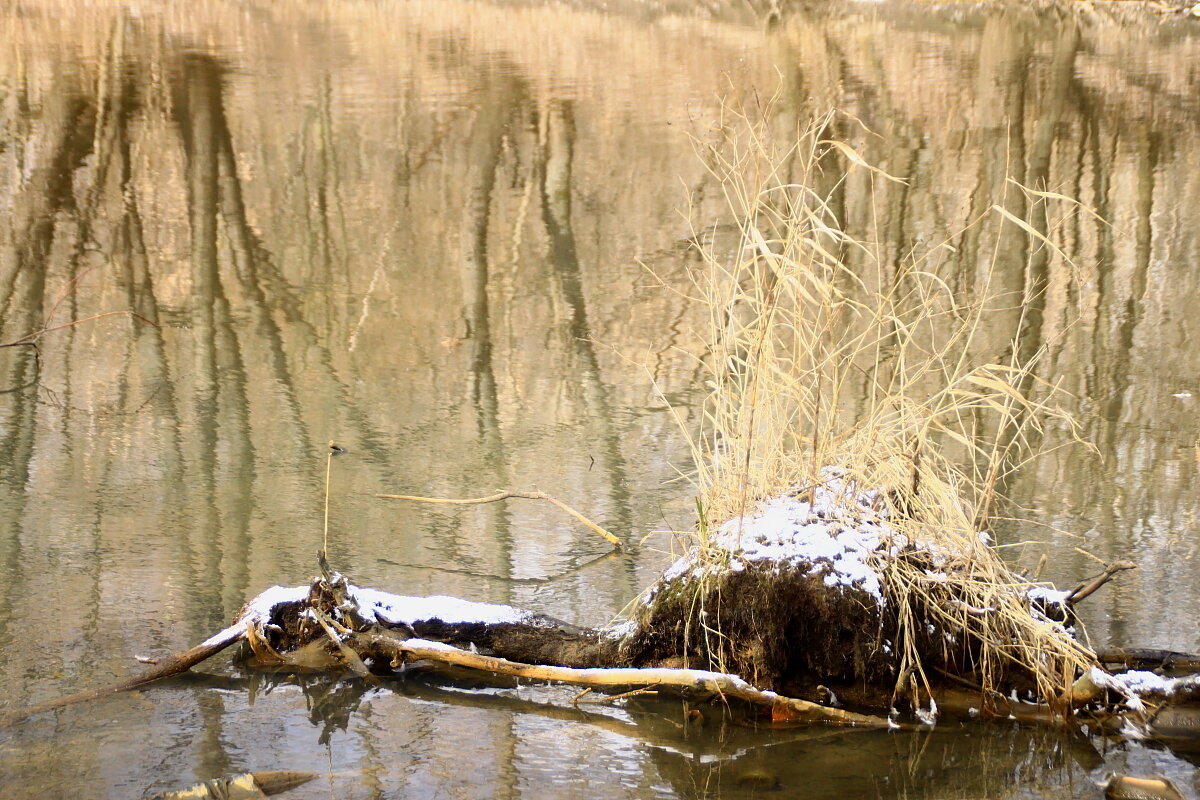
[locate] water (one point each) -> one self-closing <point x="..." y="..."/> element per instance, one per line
<point x="437" y="233"/>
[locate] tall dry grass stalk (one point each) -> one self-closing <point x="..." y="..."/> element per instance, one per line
<point x="826" y="354"/>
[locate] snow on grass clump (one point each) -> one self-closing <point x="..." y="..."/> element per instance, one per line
<point x="833" y="530"/>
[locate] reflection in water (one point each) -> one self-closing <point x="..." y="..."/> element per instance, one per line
<point x="416" y="228"/>
<point x="716" y="756"/>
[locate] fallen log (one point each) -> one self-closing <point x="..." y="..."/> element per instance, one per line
<point x="376" y="633"/>
<point x="283" y="621"/>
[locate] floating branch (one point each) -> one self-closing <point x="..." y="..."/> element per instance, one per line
<point x="506" y="494"/>
<point x="165" y="668"/>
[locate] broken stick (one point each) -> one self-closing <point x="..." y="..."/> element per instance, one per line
<point x="165" y="668"/>
<point x="1089" y="587"/>
<point x="506" y="494"/>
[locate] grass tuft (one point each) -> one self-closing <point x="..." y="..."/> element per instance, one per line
<point x="825" y="354"/>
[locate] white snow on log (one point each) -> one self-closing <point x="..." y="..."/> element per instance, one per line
<point x="227" y="636"/>
<point x="390" y="609"/>
<point x="397" y="609"/>
<point x="260" y="607"/>
<point x="1137" y="683"/>
<point x="430" y="644"/>
<point x="257" y="610"/>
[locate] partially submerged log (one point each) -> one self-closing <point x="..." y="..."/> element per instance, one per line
<point x="381" y="633"/>
<point x="333" y="624"/>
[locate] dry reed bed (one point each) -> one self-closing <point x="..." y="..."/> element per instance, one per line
<point x="849" y="385"/>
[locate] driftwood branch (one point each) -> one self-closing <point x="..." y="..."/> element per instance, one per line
<point x="1089" y="587"/>
<point x="505" y="495"/>
<point x="166" y="668"/>
<point x="717" y="683"/>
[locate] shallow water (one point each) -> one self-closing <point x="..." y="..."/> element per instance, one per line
<point x="438" y="233"/>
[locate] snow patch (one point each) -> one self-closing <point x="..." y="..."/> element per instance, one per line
<point x="621" y="629"/>
<point x="1048" y="596"/>
<point x="1136" y="684"/>
<point x="390" y="609"/>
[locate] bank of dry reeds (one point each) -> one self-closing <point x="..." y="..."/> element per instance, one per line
<point x="823" y="354"/>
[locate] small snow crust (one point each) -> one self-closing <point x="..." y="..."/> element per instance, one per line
<point x="1048" y="596"/>
<point x="390" y="609"/>
<point x="429" y="644"/>
<point x="621" y="629"/>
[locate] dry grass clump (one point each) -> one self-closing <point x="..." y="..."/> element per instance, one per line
<point x="824" y="353"/>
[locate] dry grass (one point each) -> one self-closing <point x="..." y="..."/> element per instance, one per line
<point x="823" y="354"/>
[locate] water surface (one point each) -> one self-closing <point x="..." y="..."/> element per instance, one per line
<point x="439" y="233"/>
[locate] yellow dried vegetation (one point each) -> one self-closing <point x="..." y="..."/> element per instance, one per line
<point x="824" y="353"/>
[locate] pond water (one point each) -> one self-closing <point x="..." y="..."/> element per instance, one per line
<point x="453" y="236"/>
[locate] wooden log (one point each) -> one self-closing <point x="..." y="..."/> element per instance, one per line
<point x="1143" y="658"/>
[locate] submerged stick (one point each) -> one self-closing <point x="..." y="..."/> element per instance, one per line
<point x="255" y="612"/>
<point x="172" y="665"/>
<point x="31" y="338"/>
<point x="720" y="683"/>
<point x="506" y="494"/>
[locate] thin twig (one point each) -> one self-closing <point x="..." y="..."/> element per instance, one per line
<point x="506" y="494"/>
<point x="612" y="697"/>
<point x="325" y="533"/>
<point x="335" y="449"/>
<point x="29" y="339"/>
